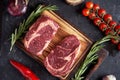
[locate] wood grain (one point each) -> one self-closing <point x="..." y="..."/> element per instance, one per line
<point x="64" y="30"/>
<point x="102" y="54"/>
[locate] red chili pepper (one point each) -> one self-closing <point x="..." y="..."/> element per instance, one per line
<point x="26" y="72"/>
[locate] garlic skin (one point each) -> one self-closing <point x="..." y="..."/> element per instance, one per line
<point x="74" y="2"/>
<point x="109" y="77"/>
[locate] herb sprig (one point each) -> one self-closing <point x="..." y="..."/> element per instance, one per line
<point x="26" y="23"/>
<point x="91" y="57"/>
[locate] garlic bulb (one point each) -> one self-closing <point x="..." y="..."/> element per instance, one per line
<point x="74" y="2"/>
<point x="109" y="77"/>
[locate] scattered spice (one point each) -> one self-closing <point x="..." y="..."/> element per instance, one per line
<point x="25" y="71"/>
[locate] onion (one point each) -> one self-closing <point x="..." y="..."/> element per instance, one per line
<point x="17" y="7"/>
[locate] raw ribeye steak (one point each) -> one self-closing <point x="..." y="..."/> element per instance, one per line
<point x="40" y="34"/>
<point x="61" y="59"/>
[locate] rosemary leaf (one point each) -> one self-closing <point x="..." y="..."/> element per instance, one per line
<point x="91" y="57"/>
<point x="26" y="23"/>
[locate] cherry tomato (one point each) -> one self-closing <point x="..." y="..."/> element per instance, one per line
<point x="112" y="24"/>
<point x="97" y="21"/>
<point x="109" y="31"/>
<point x="92" y="16"/>
<point x="103" y="26"/>
<point x="101" y="12"/>
<point x="107" y="18"/>
<point x="89" y="4"/>
<point x="117" y="28"/>
<point x="119" y="46"/>
<point x="96" y="7"/>
<point x="85" y="12"/>
<point x="114" y="41"/>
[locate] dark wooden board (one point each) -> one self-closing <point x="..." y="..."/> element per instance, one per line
<point x="102" y="54"/>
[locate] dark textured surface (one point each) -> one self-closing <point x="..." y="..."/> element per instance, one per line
<point x="72" y="14"/>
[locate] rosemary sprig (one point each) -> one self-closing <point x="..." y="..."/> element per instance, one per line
<point x="26" y="23"/>
<point x="91" y="57"/>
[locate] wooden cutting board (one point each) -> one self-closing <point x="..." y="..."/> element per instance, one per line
<point x="64" y="30"/>
<point x="102" y="54"/>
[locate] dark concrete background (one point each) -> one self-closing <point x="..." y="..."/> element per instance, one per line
<point x="111" y="65"/>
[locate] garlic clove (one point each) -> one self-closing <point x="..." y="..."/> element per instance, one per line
<point x="74" y="2"/>
<point x="109" y="77"/>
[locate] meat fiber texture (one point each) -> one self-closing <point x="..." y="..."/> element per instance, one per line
<point x="40" y="34"/>
<point x="61" y="59"/>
